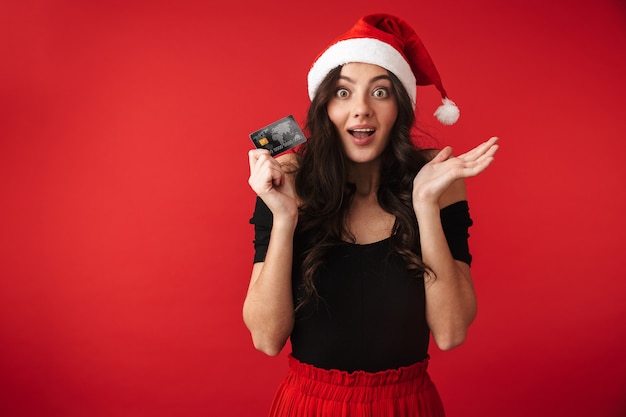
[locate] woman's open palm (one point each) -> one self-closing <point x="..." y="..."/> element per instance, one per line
<point x="438" y="174"/>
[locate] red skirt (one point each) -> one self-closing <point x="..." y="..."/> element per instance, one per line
<point x="314" y="392"/>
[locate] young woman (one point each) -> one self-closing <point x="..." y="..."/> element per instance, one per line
<point x="362" y="238"/>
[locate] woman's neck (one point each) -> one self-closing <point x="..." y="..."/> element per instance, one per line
<point x="366" y="177"/>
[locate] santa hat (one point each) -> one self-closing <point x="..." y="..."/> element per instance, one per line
<point x="391" y="43"/>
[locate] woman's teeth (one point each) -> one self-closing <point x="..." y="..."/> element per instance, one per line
<point x="361" y="133"/>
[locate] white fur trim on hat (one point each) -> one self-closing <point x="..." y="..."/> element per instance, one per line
<point x="365" y="50"/>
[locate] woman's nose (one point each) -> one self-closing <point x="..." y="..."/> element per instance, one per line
<point x="362" y="107"/>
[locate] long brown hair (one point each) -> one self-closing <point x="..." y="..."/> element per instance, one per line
<point x="326" y="194"/>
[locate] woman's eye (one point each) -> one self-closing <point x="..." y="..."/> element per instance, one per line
<point x="342" y="93"/>
<point x="381" y="92"/>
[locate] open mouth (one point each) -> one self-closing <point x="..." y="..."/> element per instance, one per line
<point x="362" y="133"/>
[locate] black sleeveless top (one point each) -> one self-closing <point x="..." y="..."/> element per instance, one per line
<point x="371" y="315"/>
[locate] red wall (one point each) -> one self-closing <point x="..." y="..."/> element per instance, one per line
<point x="125" y="248"/>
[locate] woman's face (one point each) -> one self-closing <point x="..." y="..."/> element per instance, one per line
<point x="364" y="110"/>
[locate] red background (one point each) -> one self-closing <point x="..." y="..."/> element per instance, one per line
<point x="124" y="238"/>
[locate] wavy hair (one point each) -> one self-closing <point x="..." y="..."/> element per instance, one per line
<point x="323" y="187"/>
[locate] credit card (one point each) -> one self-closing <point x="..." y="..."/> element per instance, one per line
<point x="279" y="136"/>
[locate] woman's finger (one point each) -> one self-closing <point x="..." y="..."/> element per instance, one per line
<point x="443" y="155"/>
<point x="265" y="172"/>
<point x="254" y="155"/>
<point x="480" y="149"/>
<point x="473" y="168"/>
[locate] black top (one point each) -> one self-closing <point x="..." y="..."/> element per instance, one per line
<point x="371" y="315"/>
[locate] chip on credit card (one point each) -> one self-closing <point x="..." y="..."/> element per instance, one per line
<point x="279" y="136"/>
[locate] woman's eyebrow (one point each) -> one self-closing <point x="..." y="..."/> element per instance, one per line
<point x="374" y="79"/>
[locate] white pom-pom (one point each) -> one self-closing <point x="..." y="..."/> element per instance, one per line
<point x="448" y="113"/>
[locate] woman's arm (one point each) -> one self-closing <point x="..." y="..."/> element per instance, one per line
<point x="268" y="309"/>
<point x="450" y="296"/>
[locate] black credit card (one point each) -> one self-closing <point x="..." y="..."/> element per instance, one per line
<point x="279" y="136"/>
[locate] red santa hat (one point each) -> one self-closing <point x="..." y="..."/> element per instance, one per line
<point x="391" y="43"/>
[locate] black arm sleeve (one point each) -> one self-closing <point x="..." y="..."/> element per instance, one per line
<point x="456" y="221"/>
<point x="262" y="219"/>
